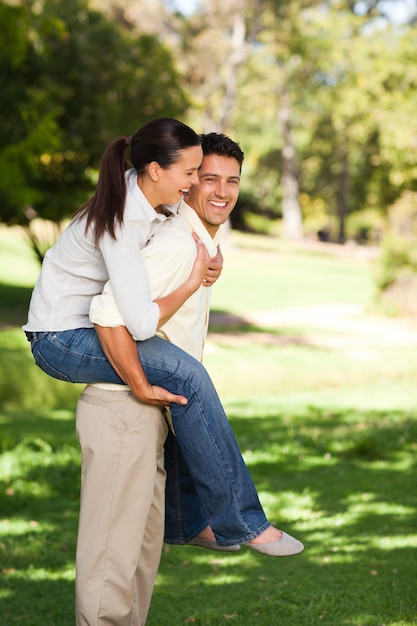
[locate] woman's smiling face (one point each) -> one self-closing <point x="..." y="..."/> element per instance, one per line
<point x="180" y="176"/>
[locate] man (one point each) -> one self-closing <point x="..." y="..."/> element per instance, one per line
<point x="122" y="496"/>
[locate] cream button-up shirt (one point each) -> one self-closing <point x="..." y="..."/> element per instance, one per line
<point x="168" y="259"/>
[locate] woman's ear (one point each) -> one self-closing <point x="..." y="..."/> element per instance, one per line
<point x="153" y="170"/>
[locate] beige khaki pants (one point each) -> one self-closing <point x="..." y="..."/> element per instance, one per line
<point x="122" y="505"/>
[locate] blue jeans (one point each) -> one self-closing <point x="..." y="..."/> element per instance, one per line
<point x="184" y="516"/>
<point x="227" y="497"/>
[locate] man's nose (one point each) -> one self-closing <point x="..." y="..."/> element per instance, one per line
<point x="221" y="189"/>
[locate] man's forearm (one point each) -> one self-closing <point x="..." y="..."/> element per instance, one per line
<point x="121" y="350"/>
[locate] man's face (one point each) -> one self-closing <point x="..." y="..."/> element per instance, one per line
<point x="215" y="197"/>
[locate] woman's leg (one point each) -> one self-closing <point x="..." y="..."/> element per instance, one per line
<point x="225" y="489"/>
<point x="74" y="356"/>
<point x="184" y="518"/>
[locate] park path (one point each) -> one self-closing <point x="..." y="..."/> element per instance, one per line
<point x="330" y="326"/>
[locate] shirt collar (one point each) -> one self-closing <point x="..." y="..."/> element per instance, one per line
<point x="135" y="193"/>
<point x="199" y="229"/>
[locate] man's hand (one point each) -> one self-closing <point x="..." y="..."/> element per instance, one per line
<point x="122" y="352"/>
<point x="159" y="396"/>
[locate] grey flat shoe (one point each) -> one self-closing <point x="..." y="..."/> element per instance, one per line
<point x="285" y="546"/>
<point x="209" y="544"/>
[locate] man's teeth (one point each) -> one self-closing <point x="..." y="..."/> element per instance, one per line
<point x="221" y="205"/>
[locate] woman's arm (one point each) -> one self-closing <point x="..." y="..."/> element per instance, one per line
<point x="169" y="304"/>
<point x="128" y="276"/>
<point x="121" y="350"/>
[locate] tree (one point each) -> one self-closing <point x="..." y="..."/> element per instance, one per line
<point x="321" y="96"/>
<point x="357" y="88"/>
<point x="313" y="102"/>
<point x="28" y="125"/>
<point x="72" y="80"/>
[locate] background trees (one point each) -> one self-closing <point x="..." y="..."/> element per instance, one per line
<point x="71" y="80"/>
<point x="321" y="96"/>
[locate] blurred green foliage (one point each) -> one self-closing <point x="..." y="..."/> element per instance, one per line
<point x="73" y="75"/>
<point x="71" y="80"/>
<point x="396" y="275"/>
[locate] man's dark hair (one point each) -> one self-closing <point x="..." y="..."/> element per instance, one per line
<point x="217" y="143"/>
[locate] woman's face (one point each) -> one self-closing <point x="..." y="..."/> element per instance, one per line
<point x="180" y="176"/>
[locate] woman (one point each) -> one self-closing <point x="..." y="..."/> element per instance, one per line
<point x="102" y="243"/>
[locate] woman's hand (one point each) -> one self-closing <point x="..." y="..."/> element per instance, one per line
<point x="200" y="272"/>
<point x="206" y="268"/>
<point x="214" y="270"/>
<point x="201" y="265"/>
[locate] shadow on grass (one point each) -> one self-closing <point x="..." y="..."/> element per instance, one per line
<point x="224" y="321"/>
<point x="248" y="589"/>
<point x="38" y="602"/>
<point x="14" y="304"/>
<point x="39" y="504"/>
<point x="344" y="482"/>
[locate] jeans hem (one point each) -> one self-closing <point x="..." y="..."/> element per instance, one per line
<point x="182" y="541"/>
<point x="230" y="542"/>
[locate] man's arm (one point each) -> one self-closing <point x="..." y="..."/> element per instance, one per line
<point x="122" y="352"/>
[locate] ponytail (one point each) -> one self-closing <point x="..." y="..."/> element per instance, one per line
<point x="105" y="208"/>
<point x="160" y="140"/>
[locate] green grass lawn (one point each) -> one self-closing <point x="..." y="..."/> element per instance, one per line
<point x="329" y="434"/>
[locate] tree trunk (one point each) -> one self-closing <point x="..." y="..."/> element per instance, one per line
<point x="342" y="204"/>
<point x="236" y="58"/>
<point x="291" y="210"/>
